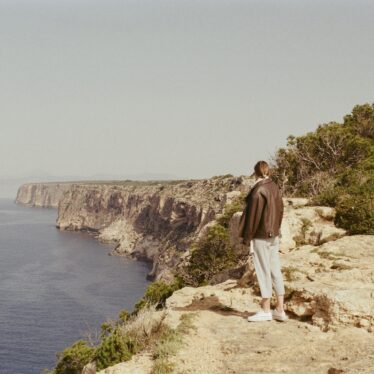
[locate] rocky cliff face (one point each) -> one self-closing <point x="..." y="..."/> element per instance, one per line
<point x="45" y="195"/>
<point x="153" y="221"/>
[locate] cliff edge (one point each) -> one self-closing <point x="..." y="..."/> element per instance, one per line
<point x="329" y="301"/>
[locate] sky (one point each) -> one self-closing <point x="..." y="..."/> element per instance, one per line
<point x="187" y="89"/>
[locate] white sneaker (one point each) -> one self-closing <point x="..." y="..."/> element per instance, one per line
<point x="260" y="316"/>
<point x="279" y="316"/>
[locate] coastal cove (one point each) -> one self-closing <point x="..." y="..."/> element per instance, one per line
<point x="55" y="287"/>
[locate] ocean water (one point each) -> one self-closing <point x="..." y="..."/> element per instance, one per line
<point x="55" y="287"/>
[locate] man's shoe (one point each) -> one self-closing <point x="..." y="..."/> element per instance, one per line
<point x="279" y="316"/>
<point x="260" y="316"/>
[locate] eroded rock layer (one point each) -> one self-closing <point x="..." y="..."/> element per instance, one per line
<point x="153" y="221"/>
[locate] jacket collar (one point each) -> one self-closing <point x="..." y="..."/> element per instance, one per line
<point x="259" y="183"/>
<point x="262" y="181"/>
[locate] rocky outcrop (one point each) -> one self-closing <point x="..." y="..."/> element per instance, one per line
<point x="46" y="195"/>
<point x="332" y="284"/>
<point x="302" y="224"/>
<point x="156" y="221"/>
<point x="223" y="341"/>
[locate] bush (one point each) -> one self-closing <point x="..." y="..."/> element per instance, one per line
<point x="113" y="349"/>
<point x="157" y="293"/>
<point x="211" y="254"/>
<point x="335" y="166"/>
<point x="309" y="163"/>
<point x="352" y="198"/>
<point x="356" y="214"/>
<point x="237" y="205"/>
<point x="72" y="359"/>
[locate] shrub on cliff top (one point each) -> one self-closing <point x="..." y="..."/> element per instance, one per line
<point x="211" y="254"/>
<point x="72" y="359"/>
<point x="157" y="293"/>
<point x="237" y="205"/>
<point x="113" y="349"/>
<point x="310" y="161"/>
<point x="334" y="165"/>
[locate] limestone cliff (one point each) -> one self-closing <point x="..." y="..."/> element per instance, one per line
<point x="156" y="221"/>
<point x="45" y="195"/>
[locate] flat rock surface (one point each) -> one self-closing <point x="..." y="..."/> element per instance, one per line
<point x="231" y="344"/>
<point x="223" y="341"/>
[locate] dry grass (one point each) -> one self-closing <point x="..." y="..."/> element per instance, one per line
<point x="146" y="326"/>
<point x="169" y="344"/>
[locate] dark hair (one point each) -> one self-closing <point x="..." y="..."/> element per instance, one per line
<point x="262" y="169"/>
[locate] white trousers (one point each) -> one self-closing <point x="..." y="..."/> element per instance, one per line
<point x="267" y="265"/>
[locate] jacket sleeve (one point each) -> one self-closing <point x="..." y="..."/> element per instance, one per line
<point x="251" y="217"/>
<point x="281" y="211"/>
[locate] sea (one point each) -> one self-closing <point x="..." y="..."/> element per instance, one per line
<point x="56" y="287"/>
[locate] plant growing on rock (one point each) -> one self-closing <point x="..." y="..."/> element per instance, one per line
<point x="113" y="349"/>
<point x="157" y="293"/>
<point x="237" y="205"/>
<point x="72" y="359"/>
<point x="335" y="166"/>
<point x="211" y="254"/>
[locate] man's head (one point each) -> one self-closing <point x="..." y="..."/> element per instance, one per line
<point x="262" y="169"/>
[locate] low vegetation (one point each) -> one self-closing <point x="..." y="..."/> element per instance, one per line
<point x="169" y="344"/>
<point x="121" y="339"/>
<point x="212" y="252"/>
<point x="157" y="293"/>
<point x="335" y="166"/>
<point x="300" y="239"/>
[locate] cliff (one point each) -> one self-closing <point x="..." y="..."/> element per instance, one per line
<point x="155" y="221"/>
<point x="45" y="195"/>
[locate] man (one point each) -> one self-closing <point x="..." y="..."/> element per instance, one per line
<point x="260" y="229"/>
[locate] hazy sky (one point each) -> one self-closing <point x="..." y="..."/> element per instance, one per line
<point x="189" y="88"/>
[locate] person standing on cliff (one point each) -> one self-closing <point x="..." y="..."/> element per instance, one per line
<point x="260" y="229"/>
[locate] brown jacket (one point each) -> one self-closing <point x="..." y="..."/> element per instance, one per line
<point x="262" y="216"/>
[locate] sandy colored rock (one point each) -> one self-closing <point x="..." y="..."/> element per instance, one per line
<point x="46" y="195"/>
<point x="139" y="364"/>
<point x="332" y="284"/>
<point x="230" y="344"/>
<point x="155" y="221"/>
<point x="300" y="225"/>
<point x="223" y="341"/>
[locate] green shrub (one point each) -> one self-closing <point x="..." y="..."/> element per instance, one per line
<point x="334" y="165"/>
<point x="72" y="359"/>
<point x="356" y="214"/>
<point x="237" y="205"/>
<point x="157" y="293"/>
<point x="123" y="315"/>
<point x="308" y="163"/>
<point x="211" y="254"/>
<point x="113" y="349"/>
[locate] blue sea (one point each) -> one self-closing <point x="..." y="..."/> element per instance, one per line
<point x="55" y="287"/>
